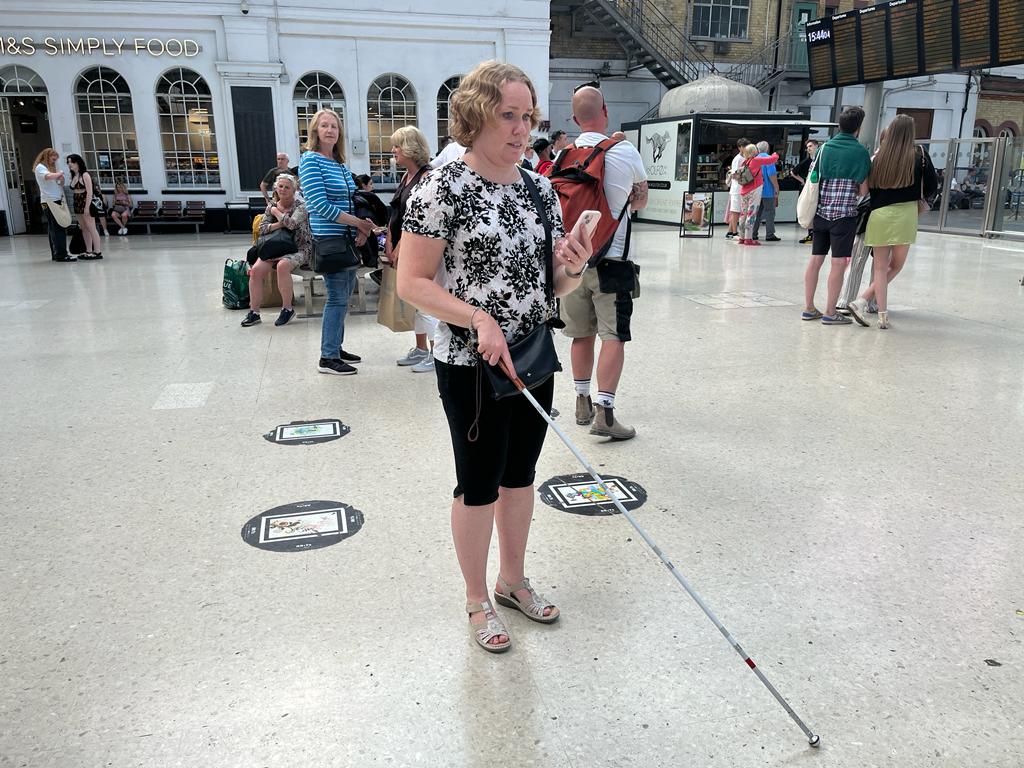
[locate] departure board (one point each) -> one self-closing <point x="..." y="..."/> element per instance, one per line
<point x="875" y="57"/>
<point x="975" y="40"/>
<point x="844" y="35"/>
<point x="909" y="38"/>
<point x="1011" y="31"/>
<point x="938" y="34"/>
<point x="906" y="43"/>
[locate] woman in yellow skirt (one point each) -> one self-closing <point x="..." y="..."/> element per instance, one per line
<point x="901" y="175"/>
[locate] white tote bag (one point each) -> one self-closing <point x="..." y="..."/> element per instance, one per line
<point x="807" y="203"/>
<point x="61" y="214"/>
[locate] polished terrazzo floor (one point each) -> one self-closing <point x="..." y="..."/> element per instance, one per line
<point x="848" y="500"/>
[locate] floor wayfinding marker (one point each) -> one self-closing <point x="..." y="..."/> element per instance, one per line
<point x="581" y="495"/>
<point x="307" y="432"/>
<point x="302" y="525"/>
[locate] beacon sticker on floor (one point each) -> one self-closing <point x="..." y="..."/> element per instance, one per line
<point x="582" y="495"/>
<point x="308" y="432"/>
<point x="303" y="525"/>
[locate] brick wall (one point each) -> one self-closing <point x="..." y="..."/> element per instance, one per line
<point x="566" y="45"/>
<point x="994" y="111"/>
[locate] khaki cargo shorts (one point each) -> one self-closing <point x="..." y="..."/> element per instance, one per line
<point x="586" y="311"/>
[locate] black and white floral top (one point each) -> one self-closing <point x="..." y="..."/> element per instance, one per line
<point x="495" y="253"/>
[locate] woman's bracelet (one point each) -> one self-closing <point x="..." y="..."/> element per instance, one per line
<point x="475" y="310"/>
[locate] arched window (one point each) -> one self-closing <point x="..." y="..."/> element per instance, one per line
<point x="444" y="97"/>
<point x="390" y="104"/>
<point x="186" y="129"/>
<point x="1007" y="133"/>
<point x="106" y="125"/>
<point x="20" y="80"/>
<point x="980" y="132"/>
<point x="313" y="92"/>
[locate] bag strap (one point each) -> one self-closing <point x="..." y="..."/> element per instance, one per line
<point x="549" y="289"/>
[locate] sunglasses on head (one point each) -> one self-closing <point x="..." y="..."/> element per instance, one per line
<point x="591" y="84"/>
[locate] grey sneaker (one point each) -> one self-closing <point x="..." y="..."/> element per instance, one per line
<point x="584" y="410"/>
<point x="872" y="307"/>
<point x="426" y="365"/>
<point x="413" y="356"/>
<point x="859" y="310"/>
<point x="836" y="319"/>
<point x="606" y="425"/>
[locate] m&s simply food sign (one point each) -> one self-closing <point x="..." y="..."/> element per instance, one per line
<point x="87" y="46"/>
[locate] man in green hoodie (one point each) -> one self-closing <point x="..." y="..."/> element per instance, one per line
<point x="843" y="165"/>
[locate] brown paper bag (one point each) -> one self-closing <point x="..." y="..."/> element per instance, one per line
<point x="392" y="312"/>
<point x="271" y="294"/>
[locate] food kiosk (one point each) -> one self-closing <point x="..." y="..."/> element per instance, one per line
<point x="692" y="153"/>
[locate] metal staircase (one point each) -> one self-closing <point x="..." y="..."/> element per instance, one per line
<point x="764" y="68"/>
<point x="651" y="39"/>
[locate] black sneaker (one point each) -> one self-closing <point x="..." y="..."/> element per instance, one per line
<point x="69" y="257"/>
<point x="348" y="357"/>
<point x="805" y="240"/>
<point x="251" y="319"/>
<point x="730" y="235"/>
<point x="773" y="239"/>
<point x="284" y="317"/>
<point x="336" y="367"/>
<point x="377" y="276"/>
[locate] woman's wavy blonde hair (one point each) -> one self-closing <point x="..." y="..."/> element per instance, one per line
<point x="413" y="144"/>
<point x="43" y="158"/>
<point x="313" y="142"/>
<point x="474" y="104"/>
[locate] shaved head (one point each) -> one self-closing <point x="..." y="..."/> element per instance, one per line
<point x="588" y="109"/>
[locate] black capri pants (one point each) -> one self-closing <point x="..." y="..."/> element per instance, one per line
<point x="509" y="433"/>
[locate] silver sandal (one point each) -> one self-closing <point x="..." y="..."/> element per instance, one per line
<point x="484" y="633"/>
<point x="533" y="608"/>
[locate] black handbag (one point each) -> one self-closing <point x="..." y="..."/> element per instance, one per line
<point x="274" y="245"/>
<point x="96" y="207"/>
<point x="533" y="356"/>
<point x="334" y="254"/>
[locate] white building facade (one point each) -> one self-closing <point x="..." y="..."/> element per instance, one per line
<point x="192" y="100"/>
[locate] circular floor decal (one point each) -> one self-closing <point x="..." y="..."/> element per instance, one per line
<point x="302" y="525"/>
<point x="581" y="495"/>
<point x="307" y="432"/>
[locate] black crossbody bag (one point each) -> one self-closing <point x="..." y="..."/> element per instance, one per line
<point x="533" y="355"/>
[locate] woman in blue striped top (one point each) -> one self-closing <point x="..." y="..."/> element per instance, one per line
<point x="328" y="188"/>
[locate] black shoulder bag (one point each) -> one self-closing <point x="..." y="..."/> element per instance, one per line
<point x="335" y="253"/>
<point x="533" y="356"/>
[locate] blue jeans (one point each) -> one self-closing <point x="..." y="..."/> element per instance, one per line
<point x="339" y="288"/>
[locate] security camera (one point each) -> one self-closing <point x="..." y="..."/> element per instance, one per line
<point x="244" y="7"/>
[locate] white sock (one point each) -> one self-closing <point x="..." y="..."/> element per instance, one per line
<point x="582" y="386"/>
<point x="605" y="399"/>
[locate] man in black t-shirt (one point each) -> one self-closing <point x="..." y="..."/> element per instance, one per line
<point x="267" y="185"/>
<point x="802" y="171"/>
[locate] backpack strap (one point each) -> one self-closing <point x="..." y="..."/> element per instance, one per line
<point x="602" y="146"/>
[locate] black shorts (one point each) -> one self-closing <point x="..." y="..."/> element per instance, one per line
<point x="837" y="234"/>
<point x="509" y="435"/>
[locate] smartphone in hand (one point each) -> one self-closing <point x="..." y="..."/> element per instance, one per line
<point x="588" y="221"/>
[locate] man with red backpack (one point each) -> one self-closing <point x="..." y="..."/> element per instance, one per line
<point x="607" y="175"/>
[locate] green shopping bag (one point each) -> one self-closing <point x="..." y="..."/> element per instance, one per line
<point x="236" y="284"/>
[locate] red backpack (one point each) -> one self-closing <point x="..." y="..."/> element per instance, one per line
<point x="578" y="178"/>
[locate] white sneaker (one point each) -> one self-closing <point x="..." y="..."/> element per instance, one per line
<point x="123" y="231"/>
<point x="413" y="356"/>
<point x="859" y="310"/>
<point x="426" y="365"/>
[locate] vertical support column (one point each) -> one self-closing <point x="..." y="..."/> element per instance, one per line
<point x="872" y="114"/>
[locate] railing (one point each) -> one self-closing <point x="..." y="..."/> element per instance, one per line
<point x="769" y="63"/>
<point x="662" y="34"/>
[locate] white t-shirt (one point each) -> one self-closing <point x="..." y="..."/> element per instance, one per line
<point x="453" y="151"/>
<point x="623" y="167"/>
<point x="49" y="189"/>
<point x="735" y="186"/>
